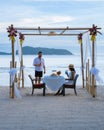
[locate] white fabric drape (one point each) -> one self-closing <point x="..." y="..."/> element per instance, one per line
<point x="16" y="91"/>
<point x="87" y="49"/>
<point x="12" y="72"/>
<point x="88" y="54"/>
<point x="95" y="72"/>
<point x="54" y="82"/>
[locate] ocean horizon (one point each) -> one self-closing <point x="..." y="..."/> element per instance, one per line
<point x="53" y="62"/>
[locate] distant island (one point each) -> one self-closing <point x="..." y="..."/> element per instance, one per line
<point x="27" y="50"/>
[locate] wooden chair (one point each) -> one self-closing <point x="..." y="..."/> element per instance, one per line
<point x="72" y="86"/>
<point x="37" y="86"/>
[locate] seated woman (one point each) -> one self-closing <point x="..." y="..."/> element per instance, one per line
<point x="72" y="72"/>
<point x="70" y="76"/>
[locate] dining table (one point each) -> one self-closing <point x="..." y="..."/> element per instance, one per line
<point x="53" y="82"/>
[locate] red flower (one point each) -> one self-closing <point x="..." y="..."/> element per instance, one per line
<point x="12" y="31"/>
<point x="80" y="36"/>
<point x="21" y="36"/>
<point x="93" y="30"/>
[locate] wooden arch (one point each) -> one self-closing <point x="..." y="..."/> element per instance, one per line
<point x="56" y="32"/>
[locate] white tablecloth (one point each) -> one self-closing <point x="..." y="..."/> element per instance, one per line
<point x="54" y="82"/>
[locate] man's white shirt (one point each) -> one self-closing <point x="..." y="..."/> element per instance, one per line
<point x="37" y="60"/>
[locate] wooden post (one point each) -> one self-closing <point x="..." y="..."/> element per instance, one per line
<point x="13" y="66"/>
<point x="18" y="81"/>
<point x="10" y="92"/>
<point x="15" y="80"/>
<point x="93" y="87"/>
<point x="89" y="82"/>
<point x="21" y="66"/>
<point x="87" y="76"/>
<point x="81" y="46"/>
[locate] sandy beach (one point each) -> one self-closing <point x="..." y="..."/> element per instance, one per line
<point x="41" y="38"/>
<point x="51" y="112"/>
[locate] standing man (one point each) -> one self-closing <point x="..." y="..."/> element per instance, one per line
<point x="39" y="64"/>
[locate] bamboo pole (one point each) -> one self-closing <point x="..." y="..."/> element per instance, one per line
<point x="21" y="67"/>
<point x="87" y="76"/>
<point x="13" y="66"/>
<point x="21" y="74"/>
<point x="89" y="82"/>
<point x="93" y="87"/>
<point x="81" y="46"/>
<point x="21" y="37"/>
<point x="18" y="81"/>
<point x="47" y="34"/>
<point x="10" y="92"/>
<point x="76" y="28"/>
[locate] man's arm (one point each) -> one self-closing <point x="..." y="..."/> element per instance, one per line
<point x="35" y="63"/>
<point x="44" y="69"/>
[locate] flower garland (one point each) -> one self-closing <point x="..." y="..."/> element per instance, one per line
<point x="93" y="33"/>
<point x="12" y="33"/>
<point x="80" y="38"/>
<point x="21" y="37"/>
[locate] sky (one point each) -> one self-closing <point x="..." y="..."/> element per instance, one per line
<point x="50" y="13"/>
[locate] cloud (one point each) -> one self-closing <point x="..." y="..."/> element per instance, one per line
<point x="47" y="20"/>
<point x="45" y="0"/>
<point x="89" y="0"/>
<point x="50" y="13"/>
<point x="63" y="0"/>
<point x="37" y="21"/>
<point x="61" y="19"/>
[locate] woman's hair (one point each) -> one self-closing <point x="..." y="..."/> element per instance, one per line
<point x="72" y="69"/>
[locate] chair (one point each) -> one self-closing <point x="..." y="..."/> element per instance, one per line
<point x="37" y="86"/>
<point x="72" y="86"/>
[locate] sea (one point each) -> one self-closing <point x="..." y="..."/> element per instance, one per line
<point x="53" y="63"/>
